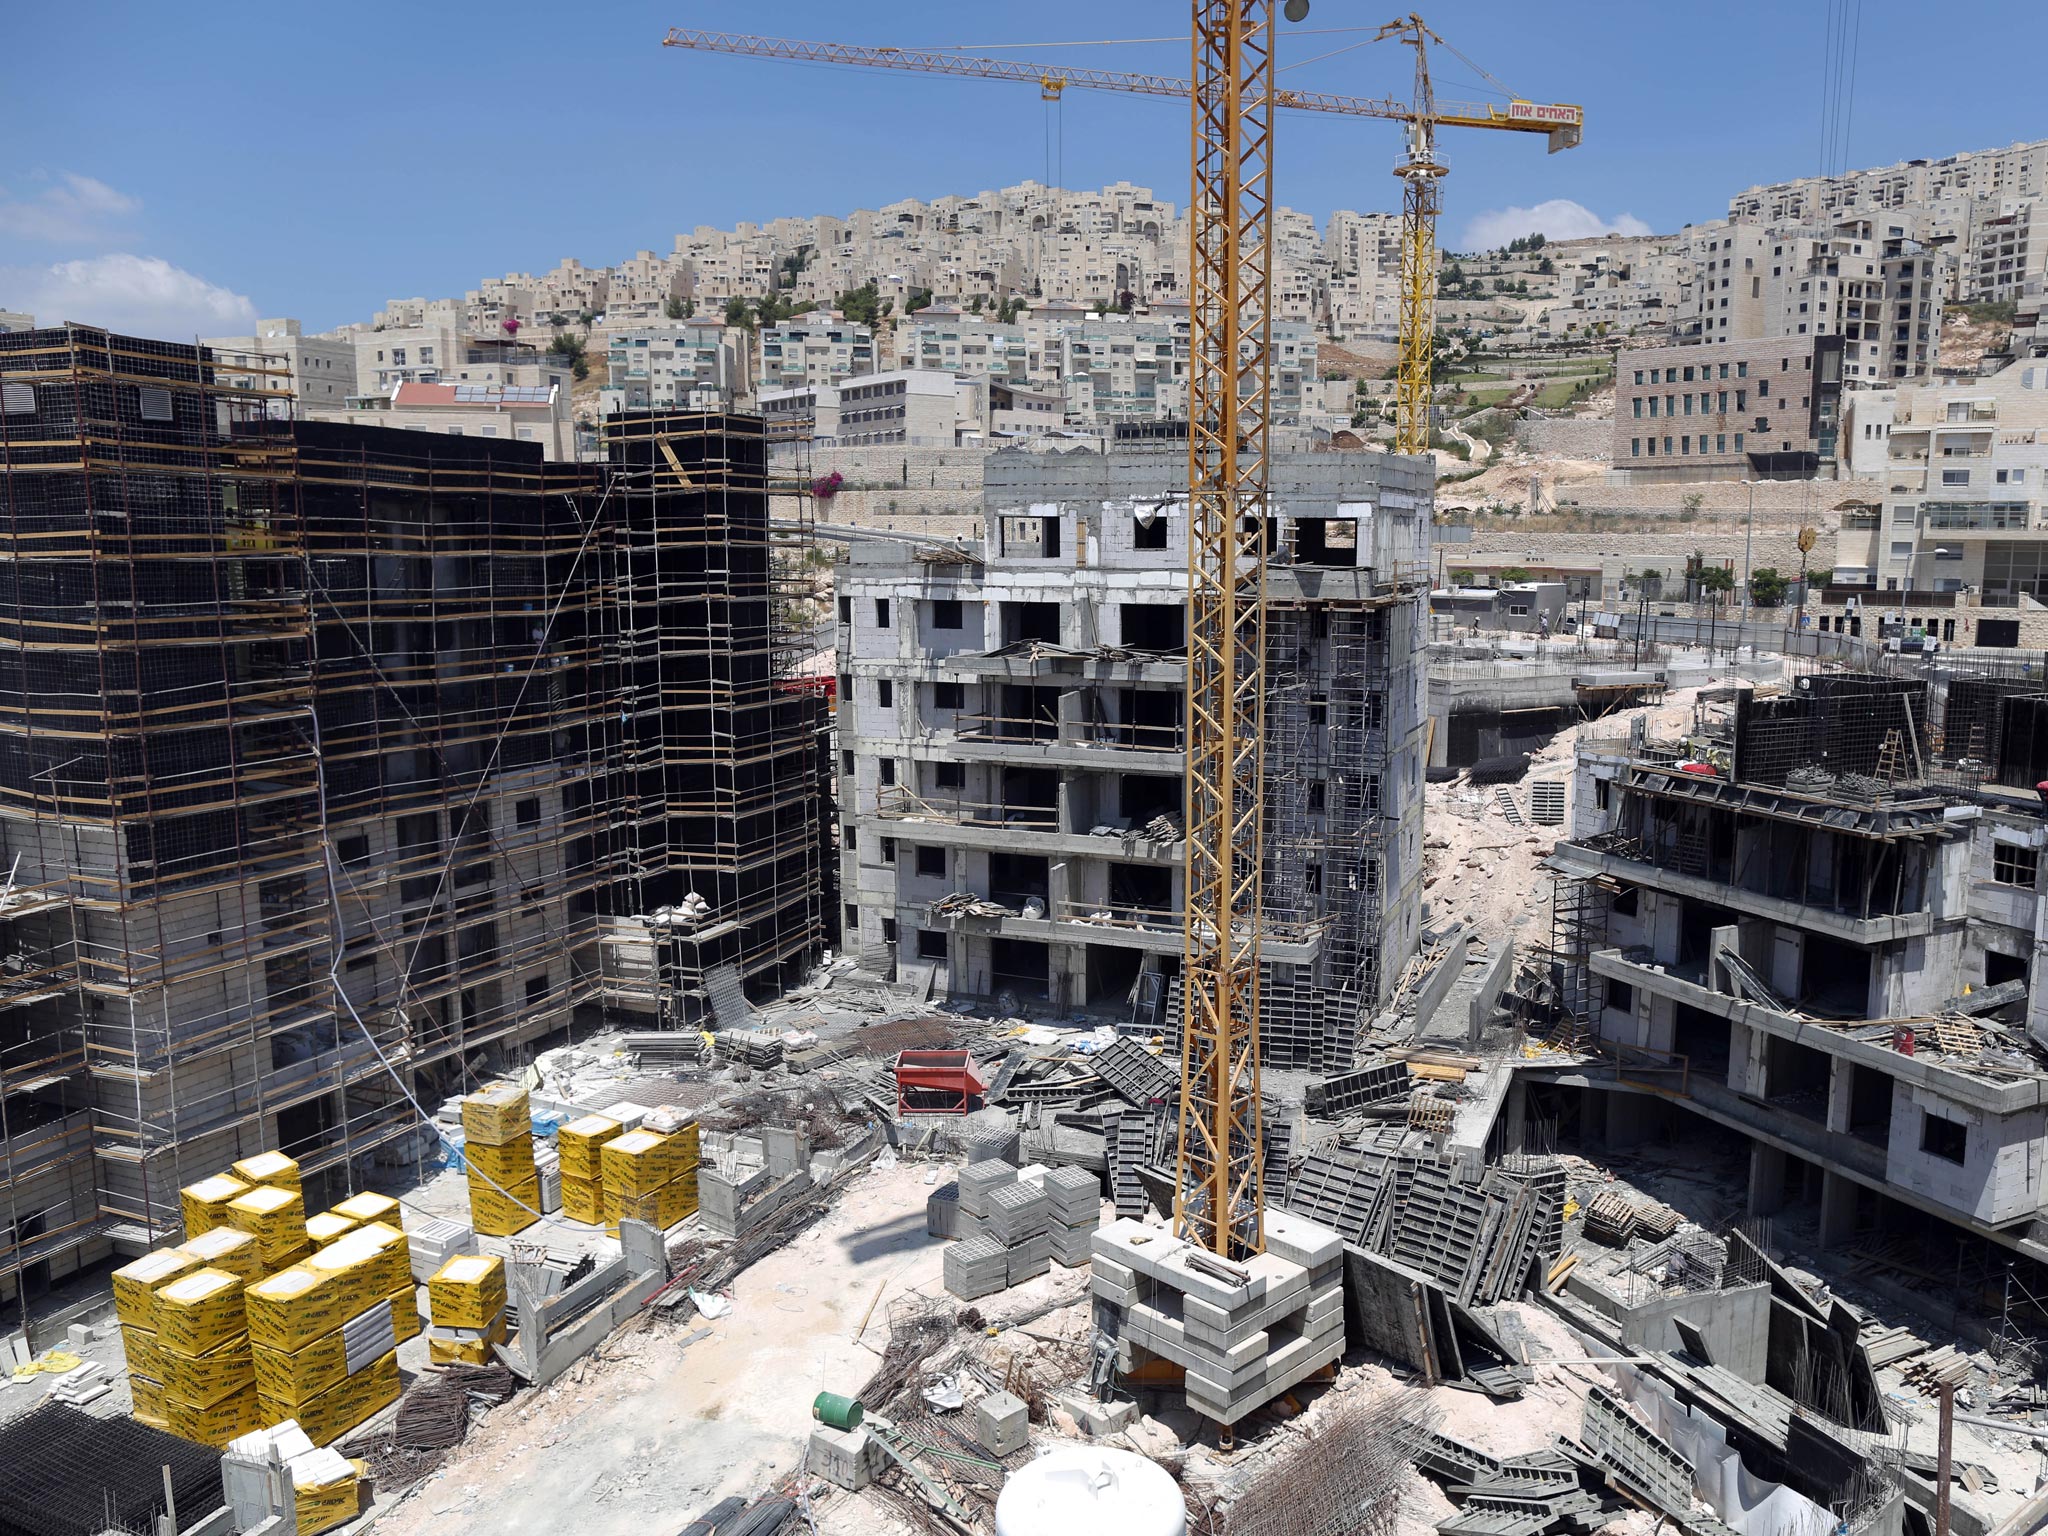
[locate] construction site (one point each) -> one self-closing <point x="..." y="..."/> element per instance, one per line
<point x="514" y="1006"/>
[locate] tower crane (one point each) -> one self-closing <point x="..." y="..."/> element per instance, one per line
<point x="1219" y="1198"/>
<point x="1421" y="171"/>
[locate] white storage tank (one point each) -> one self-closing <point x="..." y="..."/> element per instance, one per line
<point x="1083" y="1488"/>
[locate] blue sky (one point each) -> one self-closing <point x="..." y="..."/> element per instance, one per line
<point x="182" y="169"/>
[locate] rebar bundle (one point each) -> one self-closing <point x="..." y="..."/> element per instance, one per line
<point x="1344" y="1478"/>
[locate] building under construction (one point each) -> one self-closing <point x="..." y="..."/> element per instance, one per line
<point x="330" y="755"/>
<point x="1013" y="743"/>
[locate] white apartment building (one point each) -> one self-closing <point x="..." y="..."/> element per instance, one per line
<point x="526" y="413"/>
<point x="322" y="368"/>
<point x="685" y="364"/>
<point x="1965" y="506"/>
<point x="2018" y="170"/>
<point x="15" y="320"/>
<point x="639" y="291"/>
<point x="1867" y="280"/>
<point x="913" y="407"/>
<point x="2008" y="259"/>
<point x="443" y="352"/>
<point x="820" y="347"/>
<point x="945" y="336"/>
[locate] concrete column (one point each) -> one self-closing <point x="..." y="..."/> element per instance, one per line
<point x="1514" y="1115"/>
<point x="1766" y="1179"/>
<point x="1841" y="1093"/>
<point x="1837" y="1209"/>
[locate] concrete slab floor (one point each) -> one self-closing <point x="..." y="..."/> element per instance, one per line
<point x="649" y="1429"/>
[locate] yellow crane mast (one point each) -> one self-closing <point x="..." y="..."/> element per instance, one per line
<point x="1219" y="1194"/>
<point x="1421" y="172"/>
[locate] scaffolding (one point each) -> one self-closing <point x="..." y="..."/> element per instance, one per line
<point x="330" y="755"/>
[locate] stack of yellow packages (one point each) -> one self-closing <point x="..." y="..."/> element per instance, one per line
<point x="276" y="1218"/>
<point x="327" y="1490"/>
<point x="202" y="1350"/>
<point x="366" y="1208"/>
<point x="135" y="1288"/>
<point x="324" y="1333"/>
<point x="504" y="1185"/>
<point x="639" y="1170"/>
<point x="271" y="1168"/>
<point x="205" y="1204"/>
<point x="580" y="1146"/>
<point x="466" y="1310"/>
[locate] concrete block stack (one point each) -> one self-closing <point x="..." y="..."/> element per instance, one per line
<point x="977" y="1182"/>
<point x="504" y="1185"/>
<point x="466" y="1310"/>
<point x="1075" y="1197"/>
<point x="975" y="1267"/>
<point x="326" y="1487"/>
<point x="942" y="1212"/>
<point x="1244" y="1333"/>
<point x="1018" y="1218"/>
<point x="579" y="1145"/>
<point x="205" y="1204"/>
<point x="646" y="1176"/>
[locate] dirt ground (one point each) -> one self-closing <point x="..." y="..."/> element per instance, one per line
<point x="669" y="1417"/>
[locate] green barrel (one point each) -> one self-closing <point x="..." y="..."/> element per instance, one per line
<point x="839" y="1412"/>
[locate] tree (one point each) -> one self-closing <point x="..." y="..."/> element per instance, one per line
<point x="1715" y="579"/>
<point x="1546" y="266"/>
<point x="1689" y="505"/>
<point x="862" y="305"/>
<point x="679" y="309"/>
<point x="1767" y="587"/>
<point x="974" y="304"/>
<point x="918" y="298"/>
<point x="738" y="312"/>
<point x="570" y="350"/>
<point x="1513" y="575"/>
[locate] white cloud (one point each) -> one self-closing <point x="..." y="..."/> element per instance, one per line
<point x="75" y="210"/>
<point x="140" y="295"/>
<point x="1558" y="219"/>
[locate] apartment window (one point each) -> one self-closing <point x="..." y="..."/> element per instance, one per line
<point x="846" y="610"/>
<point x="1685" y="443"/>
<point x="852" y="923"/>
<point x="1653" y="405"/>
<point x="949" y="775"/>
<point x="351" y="850"/>
<point x="1720" y="442"/>
<point x="1741" y="401"/>
<point x="527" y="812"/>
<point x="946" y="613"/>
<point x="931" y="862"/>
<point x="2012" y="864"/>
<point x="1955" y="477"/>
<point x="846" y="762"/>
<point x="882" y="612"/>
<point x="536" y="991"/>
<point x="1761" y="424"/>
<point x="1688" y="405"/>
<point x="1742" y="370"/>
<point x="1635" y="447"/>
<point x="1724" y="370"/>
<point x="1763" y="389"/>
<point x="888" y="930"/>
<point x="949" y="695"/>
<point x="1639" y="406"/>
<point x="1150" y="533"/>
<point x="1651" y="452"/>
<point x="1724" y="402"/>
<point x="1688" y="375"/>
<point x="888" y="850"/>
<point x="885" y="693"/>
<point x="1902" y="550"/>
<point x="1738" y="442"/>
<point x="886" y="769"/>
<point x="1603" y="793"/>
<point x="1667" y="447"/>
<point x="1943" y="1138"/>
<point x="1639" y="375"/>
